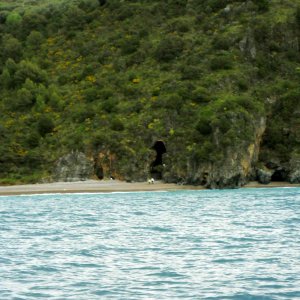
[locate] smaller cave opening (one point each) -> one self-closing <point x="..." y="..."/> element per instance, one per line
<point x="156" y="166"/>
<point x="279" y="175"/>
<point x="98" y="168"/>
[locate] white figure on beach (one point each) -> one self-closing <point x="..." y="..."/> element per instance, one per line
<point x="151" y="181"/>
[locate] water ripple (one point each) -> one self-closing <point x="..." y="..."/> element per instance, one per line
<point x="241" y="244"/>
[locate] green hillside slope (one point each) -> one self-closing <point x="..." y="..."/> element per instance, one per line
<point x="217" y="81"/>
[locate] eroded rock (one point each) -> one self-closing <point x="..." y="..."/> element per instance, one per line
<point x="74" y="166"/>
<point x="264" y="176"/>
<point x="236" y="166"/>
<point x="294" y="174"/>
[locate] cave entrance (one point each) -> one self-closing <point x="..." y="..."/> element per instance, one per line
<point x="279" y="175"/>
<point x="156" y="166"/>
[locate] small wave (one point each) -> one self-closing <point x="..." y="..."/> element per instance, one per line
<point x="268" y="259"/>
<point x="159" y="229"/>
<point x="271" y="286"/>
<point x="36" y="295"/>
<point x="228" y="260"/>
<point x="82" y="265"/>
<point x="289" y="295"/>
<point x="170" y="274"/>
<point x="103" y="293"/>
<point x="5" y="261"/>
<point x="47" y="269"/>
<point x="258" y="278"/>
<point x="240" y="296"/>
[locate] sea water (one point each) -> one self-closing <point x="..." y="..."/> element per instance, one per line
<point x="225" y="244"/>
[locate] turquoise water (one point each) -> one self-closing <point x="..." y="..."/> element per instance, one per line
<point x="232" y="244"/>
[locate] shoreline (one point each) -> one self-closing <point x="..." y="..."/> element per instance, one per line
<point x="91" y="186"/>
<point x="110" y="186"/>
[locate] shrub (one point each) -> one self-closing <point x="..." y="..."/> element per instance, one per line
<point x="176" y="7"/>
<point x="110" y="105"/>
<point x="45" y="125"/>
<point x="221" y="43"/>
<point x="179" y="26"/>
<point x="204" y="126"/>
<point x="262" y="5"/>
<point x="222" y="62"/>
<point x="33" y="139"/>
<point x="189" y="72"/>
<point x="267" y="65"/>
<point x="223" y="122"/>
<point x="124" y="12"/>
<point x="169" y="48"/>
<point x="203" y="152"/>
<point x="200" y="95"/>
<point x="242" y="84"/>
<point x="117" y="125"/>
<point x="261" y="32"/>
<point x="216" y="5"/>
<point x="130" y="44"/>
<point x="173" y="101"/>
<point x="105" y="93"/>
<point x="90" y="94"/>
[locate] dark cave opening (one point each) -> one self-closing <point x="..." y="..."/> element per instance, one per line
<point x="279" y="175"/>
<point x="98" y="169"/>
<point x="156" y="166"/>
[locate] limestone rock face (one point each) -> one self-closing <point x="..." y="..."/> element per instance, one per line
<point x="264" y="176"/>
<point x="236" y="167"/>
<point x="236" y="170"/>
<point x="294" y="175"/>
<point x="74" y="166"/>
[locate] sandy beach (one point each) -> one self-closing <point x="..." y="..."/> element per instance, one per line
<point x="92" y="186"/>
<point x="108" y="186"/>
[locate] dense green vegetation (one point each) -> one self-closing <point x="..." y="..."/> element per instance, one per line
<point x="114" y="77"/>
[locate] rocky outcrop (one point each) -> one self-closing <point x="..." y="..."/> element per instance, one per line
<point x="294" y="174"/>
<point x="74" y="166"/>
<point x="264" y="175"/>
<point x="247" y="45"/>
<point x="236" y="167"/>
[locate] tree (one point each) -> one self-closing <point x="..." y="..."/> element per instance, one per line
<point x="5" y="78"/>
<point x="34" y="40"/>
<point x="28" y="69"/>
<point x="12" y="47"/>
<point x="24" y="99"/>
<point x="13" y="20"/>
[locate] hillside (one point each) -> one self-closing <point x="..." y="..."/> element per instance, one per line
<point x="91" y="87"/>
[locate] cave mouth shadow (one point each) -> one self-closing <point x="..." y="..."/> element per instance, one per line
<point x="279" y="175"/>
<point x="156" y="166"/>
